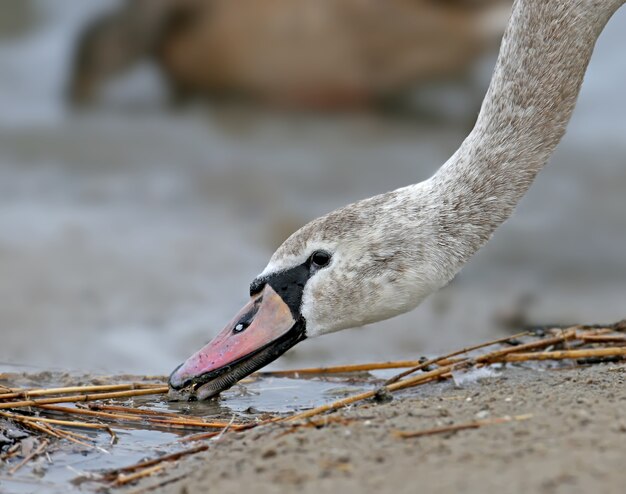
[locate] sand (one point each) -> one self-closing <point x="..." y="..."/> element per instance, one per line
<point x="575" y="442"/>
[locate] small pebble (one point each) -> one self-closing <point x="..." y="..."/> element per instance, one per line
<point x="269" y="453"/>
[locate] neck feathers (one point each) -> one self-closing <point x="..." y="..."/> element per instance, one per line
<point x="540" y="68"/>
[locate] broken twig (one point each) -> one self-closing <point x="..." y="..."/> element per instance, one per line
<point x="460" y="427"/>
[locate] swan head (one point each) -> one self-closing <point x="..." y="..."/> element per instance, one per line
<point x="363" y="263"/>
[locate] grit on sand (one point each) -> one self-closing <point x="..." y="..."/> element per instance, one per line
<point x="575" y="442"/>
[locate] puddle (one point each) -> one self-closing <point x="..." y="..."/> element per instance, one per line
<point x="68" y="461"/>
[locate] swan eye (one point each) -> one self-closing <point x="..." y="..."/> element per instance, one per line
<point x="320" y="259"/>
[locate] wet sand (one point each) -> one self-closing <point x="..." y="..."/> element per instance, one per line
<point x="575" y="442"/>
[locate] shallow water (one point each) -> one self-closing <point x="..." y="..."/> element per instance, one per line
<point x="69" y="467"/>
<point x="69" y="462"/>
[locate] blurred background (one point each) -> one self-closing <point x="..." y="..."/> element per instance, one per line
<point x="154" y="153"/>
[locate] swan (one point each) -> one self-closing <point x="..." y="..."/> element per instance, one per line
<point x="382" y="256"/>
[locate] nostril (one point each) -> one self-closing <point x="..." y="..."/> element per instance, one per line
<point x="239" y="327"/>
<point x="246" y="319"/>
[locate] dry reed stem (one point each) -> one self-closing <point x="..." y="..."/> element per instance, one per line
<point x="565" y="354"/>
<point x="127" y="479"/>
<point x="50" y="429"/>
<point x="448" y="357"/>
<point x="244" y="427"/>
<point x="42" y="424"/>
<point x="619" y="326"/>
<point x="428" y="376"/>
<point x="196" y="423"/>
<point x="42" y="428"/>
<point x="90" y="413"/>
<point x="434" y="374"/>
<point x="200" y="437"/>
<point x="113" y="475"/>
<point x="459" y="427"/>
<point x="77" y="435"/>
<point x="399" y="364"/>
<point x="157" y="415"/>
<point x="70" y="437"/>
<point x="341" y="369"/>
<point x="40" y="449"/>
<point x="593" y="338"/>
<point x="130" y="411"/>
<point x="86" y="397"/>
<point x="66" y="423"/>
<point x="566" y="335"/>
<point x="28" y="393"/>
<point x="151" y="418"/>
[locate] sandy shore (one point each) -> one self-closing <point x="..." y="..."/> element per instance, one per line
<point x="574" y="442"/>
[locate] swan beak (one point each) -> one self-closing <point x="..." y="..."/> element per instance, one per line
<point x="261" y="332"/>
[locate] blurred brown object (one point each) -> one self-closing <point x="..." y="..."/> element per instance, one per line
<point x="16" y="18"/>
<point x="322" y="54"/>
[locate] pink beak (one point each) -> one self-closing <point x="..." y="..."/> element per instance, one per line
<point x="262" y="331"/>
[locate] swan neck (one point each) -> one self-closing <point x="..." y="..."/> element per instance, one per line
<point x="543" y="57"/>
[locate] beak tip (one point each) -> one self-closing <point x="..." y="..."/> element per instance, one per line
<point x="176" y="395"/>
<point x="175" y="382"/>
